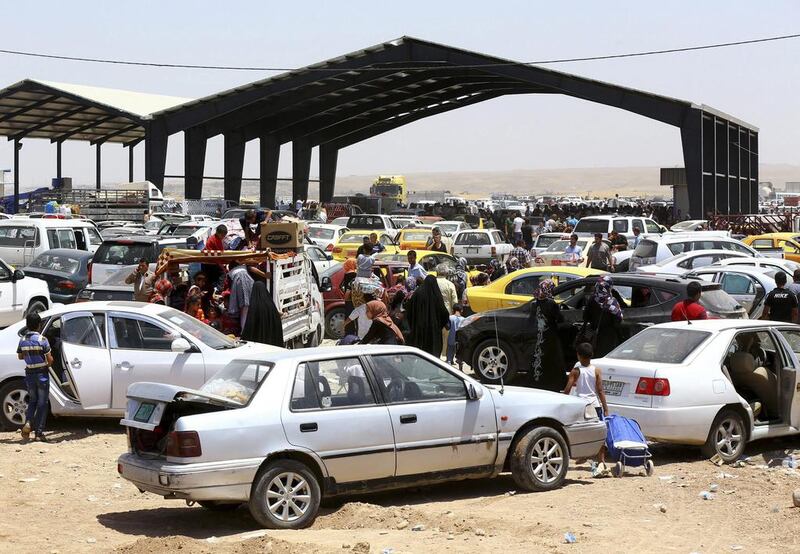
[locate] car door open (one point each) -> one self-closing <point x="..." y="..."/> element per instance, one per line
<point x="436" y="426"/>
<point x="86" y="359"/>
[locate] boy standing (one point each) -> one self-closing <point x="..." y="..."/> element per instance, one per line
<point x="455" y="323"/>
<point x="35" y="350"/>
<point x="588" y="382"/>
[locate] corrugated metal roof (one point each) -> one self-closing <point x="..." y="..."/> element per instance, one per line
<point x="138" y="103"/>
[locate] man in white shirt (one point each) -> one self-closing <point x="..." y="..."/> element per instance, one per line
<point x="518" y="223"/>
<point x="415" y="271"/>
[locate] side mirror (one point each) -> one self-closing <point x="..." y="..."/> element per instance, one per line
<point x="17" y="275"/>
<point x="180" y="345"/>
<point x="474" y="391"/>
<point x="326" y="284"/>
<point x="329" y="257"/>
<point x="663" y="229"/>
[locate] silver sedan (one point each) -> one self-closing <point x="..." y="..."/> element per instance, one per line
<point x="282" y="431"/>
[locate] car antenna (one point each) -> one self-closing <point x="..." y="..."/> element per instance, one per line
<point x="497" y="340"/>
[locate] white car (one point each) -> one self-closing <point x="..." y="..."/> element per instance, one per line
<point x="99" y="348"/>
<point x="325" y="235"/>
<point x="479" y="246"/>
<point x="20" y="295"/>
<point x="654" y="250"/>
<point x="542" y="241"/>
<point x="689" y="225"/>
<point x="695" y="259"/>
<point x="780" y="264"/>
<point x="719" y="383"/>
<point x="749" y="286"/>
<point x="624" y="225"/>
<point x="450" y="228"/>
<point x="321" y="259"/>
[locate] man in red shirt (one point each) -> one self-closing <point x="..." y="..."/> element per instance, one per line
<point x="217" y="240"/>
<point x="690" y="309"/>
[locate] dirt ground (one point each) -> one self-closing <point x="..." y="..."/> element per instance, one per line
<point x="66" y="497"/>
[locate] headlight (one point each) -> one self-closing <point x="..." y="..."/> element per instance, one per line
<point x="590" y="412"/>
<point x="471" y="319"/>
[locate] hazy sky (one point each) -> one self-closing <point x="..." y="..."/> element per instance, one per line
<point x="757" y="83"/>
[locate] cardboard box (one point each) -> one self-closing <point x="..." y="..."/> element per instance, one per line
<point x="282" y="235"/>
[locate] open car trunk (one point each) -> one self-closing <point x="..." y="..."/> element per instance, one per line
<point x="153" y="409"/>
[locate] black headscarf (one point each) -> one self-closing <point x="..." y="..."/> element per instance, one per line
<point x="263" y="323"/>
<point x="427" y="316"/>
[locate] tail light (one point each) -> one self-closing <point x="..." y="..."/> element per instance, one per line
<point x="183" y="444"/>
<point x="329" y="248"/>
<point x="89" y="270"/>
<point x="653" y="387"/>
<point x="65" y="285"/>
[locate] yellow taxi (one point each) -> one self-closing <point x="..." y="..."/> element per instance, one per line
<point x="348" y="243"/>
<point x="789" y="242"/>
<point x="415" y="238"/>
<point x="518" y="287"/>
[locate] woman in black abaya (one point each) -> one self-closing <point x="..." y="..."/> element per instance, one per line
<point x="263" y="323"/>
<point x="427" y="316"/>
<point x="547" y="364"/>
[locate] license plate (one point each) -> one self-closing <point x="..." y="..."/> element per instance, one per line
<point x="613" y="388"/>
<point x="144" y="412"/>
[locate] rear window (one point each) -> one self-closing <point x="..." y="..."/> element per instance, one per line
<point x="124" y="253"/>
<point x="679" y="247"/>
<point x="659" y="345"/>
<point x="56" y="262"/>
<point x="473" y="239"/>
<point x="620" y="225"/>
<point x="587" y="225"/>
<point x="320" y="233"/>
<point x="352" y="239"/>
<point x="717" y="300"/>
<point x="417" y="235"/>
<point x="544" y="241"/>
<point x="646" y="249"/>
<point x="365" y="222"/>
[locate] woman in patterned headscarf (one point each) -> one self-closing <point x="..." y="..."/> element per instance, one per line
<point x="547" y="363"/>
<point x="603" y="315"/>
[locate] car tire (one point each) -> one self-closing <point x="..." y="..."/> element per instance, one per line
<point x="540" y="460"/>
<point x="13" y="402"/>
<point x="35" y="307"/>
<point x="492" y="360"/>
<point x="722" y="437"/>
<point x="334" y="323"/>
<point x="272" y="508"/>
<point x="217" y="506"/>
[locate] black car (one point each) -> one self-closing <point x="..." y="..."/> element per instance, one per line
<point x="500" y="342"/>
<point x="66" y="272"/>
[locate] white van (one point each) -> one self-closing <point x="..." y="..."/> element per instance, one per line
<point x="22" y="240"/>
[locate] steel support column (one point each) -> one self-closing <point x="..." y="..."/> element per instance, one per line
<point x="155" y="153"/>
<point x="194" y="161"/>
<point x="692" y="142"/>
<point x="130" y="162"/>
<point x="301" y="167"/>
<point x="98" y="165"/>
<point x="58" y="160"/>
<point x="17" y="148"/>
<point x="233" y="165"/>
<point x="328" y="156"/>
<point x="270" y="153"/>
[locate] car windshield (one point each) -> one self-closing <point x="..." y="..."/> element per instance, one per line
<point x="592" y="226"/>
<point x="186" y="230"/>
<point x="646" y="249"/>
<point x="659" y="345"/>
<point x="417" y="235"/>
<point x="320" y="233"/>
<point x="56" y="262"/>
<point x="352" y="239"/>
<point x="123" y="252"/>
<point x="449" y="228"/>
<point x="543" y="241"/>
<point x="238" y="380"/>
<point x="199" y="330"/>
<point x="473" y="239"/>
<point x="717" y="300"/>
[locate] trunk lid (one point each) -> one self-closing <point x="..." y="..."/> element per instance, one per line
<point x="621" y="378"/>
<point x="148" y="402"/>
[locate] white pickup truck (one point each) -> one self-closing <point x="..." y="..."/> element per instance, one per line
<point x="20" y="295"/>
<point x="297" y="296"/>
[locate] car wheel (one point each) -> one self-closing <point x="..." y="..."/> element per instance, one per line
<point x="286" y="495"/>
<point x="334" y="324"/>
<point x="727" y="437"/>
<point x="35" y="307"/>
<point x="540" y="460"/>
<point x="14" y="398"/>
<point x="493" y="360"/>
<point x="216" y="506"/>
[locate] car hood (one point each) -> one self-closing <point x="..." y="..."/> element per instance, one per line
<point x="520" y="404"/>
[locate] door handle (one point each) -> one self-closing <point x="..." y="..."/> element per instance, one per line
<point x="76" y="363"/>
<point x="409" y="418"/>
<point x="124" y="366"/>
<point x="308" y="427"/>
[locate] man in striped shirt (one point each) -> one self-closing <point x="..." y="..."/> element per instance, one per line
<point x="35" y="350"/>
